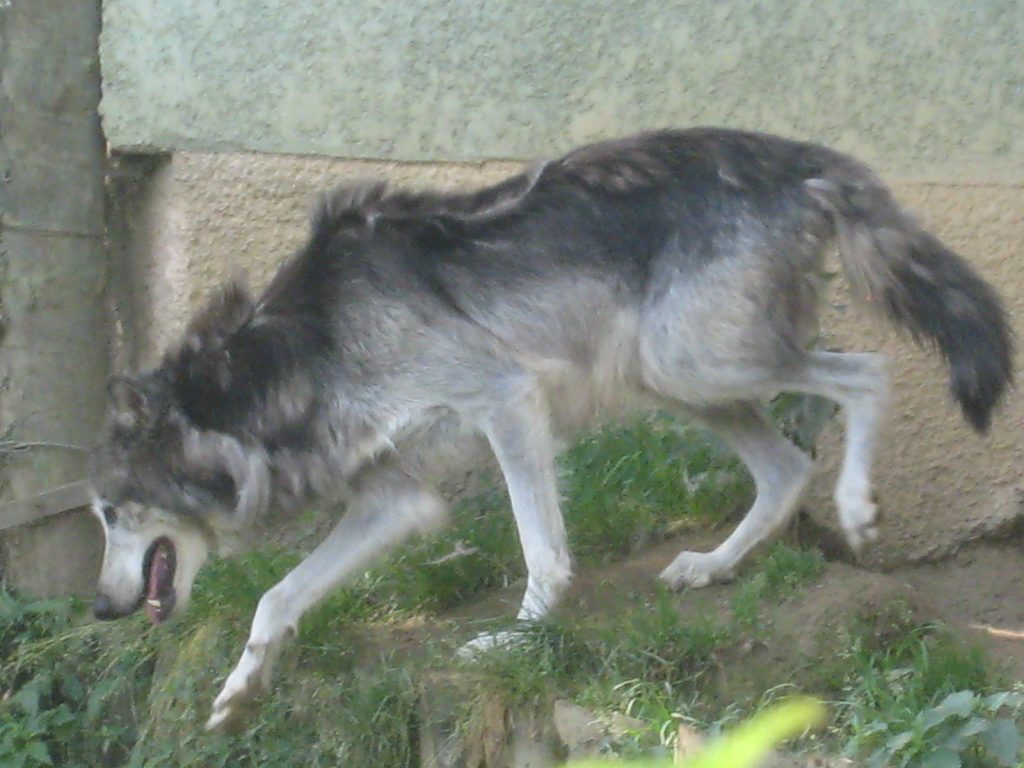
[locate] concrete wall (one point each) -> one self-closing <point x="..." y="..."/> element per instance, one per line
<point x="931" y="88"/>
<point x="53" y="271"/>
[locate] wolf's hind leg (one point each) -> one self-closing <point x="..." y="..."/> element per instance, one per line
<point x="780" y="472"/>
<point x="859" y="382"/>
<point x="388" y="506"/>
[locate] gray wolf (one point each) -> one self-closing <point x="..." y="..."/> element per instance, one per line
<point x="677" y="270"/>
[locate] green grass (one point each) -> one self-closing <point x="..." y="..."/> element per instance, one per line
<point x="651" y="662"/>
<point x="83" y="694"/>
<point x="888" y="680"/>
<point x="126" y="694"/>
<point x="624" y="487"/>
<point x="748" y="745"/>
<point x="65" y="686"/>
<point x="357" y="716"/>
<point x="901" y="692"/>
<point x="779" y="574"/>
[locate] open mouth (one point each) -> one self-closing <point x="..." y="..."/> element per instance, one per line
<point x="158" y="573"/>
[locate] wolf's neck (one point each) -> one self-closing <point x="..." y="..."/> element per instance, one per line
<point x="316" y="455"/>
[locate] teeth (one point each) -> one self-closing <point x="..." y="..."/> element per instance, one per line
<point x="154" y="603"/>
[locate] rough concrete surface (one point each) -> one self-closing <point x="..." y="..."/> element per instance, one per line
<point x="53" y="348"/>
<point x="932" y="88"/>
<point x="939" y="483"/>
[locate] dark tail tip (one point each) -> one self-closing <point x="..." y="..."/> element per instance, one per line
<point x="977" y="413"/>
<point x="980" y="377"/>
<point x="936" y="295"/>
<point x="978" y="342"/>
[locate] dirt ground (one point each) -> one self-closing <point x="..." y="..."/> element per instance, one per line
<point x="978" y="592"/>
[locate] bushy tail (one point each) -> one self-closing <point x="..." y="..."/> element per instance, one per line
<point x="920" y="284"/>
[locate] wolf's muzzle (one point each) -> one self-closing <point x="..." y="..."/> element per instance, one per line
<point x="103" y="609"/>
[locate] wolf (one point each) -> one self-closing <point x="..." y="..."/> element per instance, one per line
<point x="675" y="270"/>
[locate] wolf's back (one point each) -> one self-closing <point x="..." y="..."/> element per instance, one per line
<point x="920" y="284"/>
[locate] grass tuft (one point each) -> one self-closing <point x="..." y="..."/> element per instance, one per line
<point x="782" y="572"/>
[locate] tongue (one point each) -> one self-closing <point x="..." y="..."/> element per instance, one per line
<point x="159" y="587"/>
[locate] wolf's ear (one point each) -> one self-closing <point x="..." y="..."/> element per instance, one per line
<point x="129" y="396"/>
<point x="229" y="309"/>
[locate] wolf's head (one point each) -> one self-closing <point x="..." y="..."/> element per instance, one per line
<point x="152" y="500"/>
<point x="167" y="488"/>
<point x="166" y="491"/>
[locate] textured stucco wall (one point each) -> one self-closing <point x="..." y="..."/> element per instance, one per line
<point x="933" y="89"/>
<point x="939" y="483"/>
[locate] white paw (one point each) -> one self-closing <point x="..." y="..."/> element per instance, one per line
<point x="695" y="570"/>
<point x="248" y="680"/>
<point x="860" y="536"/>
<point x="858" y="515"/>
<point x="487" y="642"/>
<point x="230" y="707"/>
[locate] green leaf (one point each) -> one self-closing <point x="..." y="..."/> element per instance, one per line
<point x="974" y="726"/>
<point x="750" y="742"/>
<point x="98" y="698"/>
<point x="1003" y="740"/>
<point x="73" y="688"/>
<point x="876" y="726"/>
<point x="959" y="704"/>
<point x="62" y="715"/>
<point x="879" y="758"/>
<point x="37" y="751"/>
<point x="28" y="698"/>
<point x="941" y="758"/>
<point x="997" y="701"/>
<point x="898" y="742"/>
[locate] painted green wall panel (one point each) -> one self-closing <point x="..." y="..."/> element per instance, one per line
<point x="930" y="88"/>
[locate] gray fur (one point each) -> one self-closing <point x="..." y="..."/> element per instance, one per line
<point x="675" y="270"/>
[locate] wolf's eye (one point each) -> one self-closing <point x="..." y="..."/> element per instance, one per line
<point x="109" y="513"/>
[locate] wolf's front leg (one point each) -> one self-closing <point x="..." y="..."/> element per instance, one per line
<point x="271" y="627"/>
<point x="387" y="507"/>
<point x="519" y="433"/>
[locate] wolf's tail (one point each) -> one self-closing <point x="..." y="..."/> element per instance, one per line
<point x="920" y="284"/>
